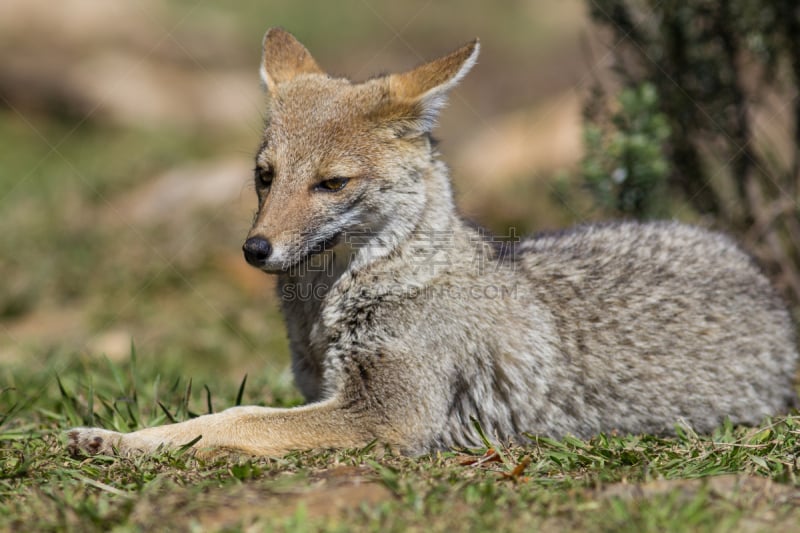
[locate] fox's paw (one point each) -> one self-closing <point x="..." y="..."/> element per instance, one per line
<point x="93" y="441"/>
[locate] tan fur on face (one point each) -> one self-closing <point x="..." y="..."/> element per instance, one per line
<point x="320" y="127"/>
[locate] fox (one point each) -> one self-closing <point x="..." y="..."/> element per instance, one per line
<point x="407" y="323"/>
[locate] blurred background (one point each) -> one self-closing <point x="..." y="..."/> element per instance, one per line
<point x="127" y="131"/>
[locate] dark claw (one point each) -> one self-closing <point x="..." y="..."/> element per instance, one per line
<point x="95" y="445"/>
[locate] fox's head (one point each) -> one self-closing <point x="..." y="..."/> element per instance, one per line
<point x="342" y="159"/>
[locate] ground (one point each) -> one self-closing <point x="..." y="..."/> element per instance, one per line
<point x="742" y="479"/>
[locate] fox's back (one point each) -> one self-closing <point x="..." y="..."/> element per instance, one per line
<point x="663" y="321"/>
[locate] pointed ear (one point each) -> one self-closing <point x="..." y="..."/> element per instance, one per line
<point x="422" y="92"/>
<point x="284" y="58"/>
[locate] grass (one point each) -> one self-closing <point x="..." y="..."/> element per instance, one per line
<point x="737" y="478"/>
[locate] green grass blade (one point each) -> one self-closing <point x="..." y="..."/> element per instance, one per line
<point x="208" y="399"/>
<point x="69" y="404"/>
<point x="169" y="416"/>
<point x="486" y="442"/>
<point x="89" y="418"/>
<point x="240" y="394"/>
<point x="188" y="446"/>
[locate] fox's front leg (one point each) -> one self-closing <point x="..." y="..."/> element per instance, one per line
<point x="251" y="430"/>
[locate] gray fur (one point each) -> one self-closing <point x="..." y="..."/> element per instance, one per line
<point x="627" y="327"/>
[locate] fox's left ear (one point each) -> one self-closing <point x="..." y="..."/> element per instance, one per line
<point x="284" y="59"/>
<point x="418" y="95"/>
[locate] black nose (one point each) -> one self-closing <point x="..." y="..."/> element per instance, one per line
<point x="256" y="250"/>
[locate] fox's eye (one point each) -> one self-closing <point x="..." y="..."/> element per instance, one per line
<point x="332" y="185"/>
<point x="264" y="176"/>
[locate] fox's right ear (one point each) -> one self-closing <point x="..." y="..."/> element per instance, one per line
<point x="284" y="59"/>
<point x="417" y="96"/>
